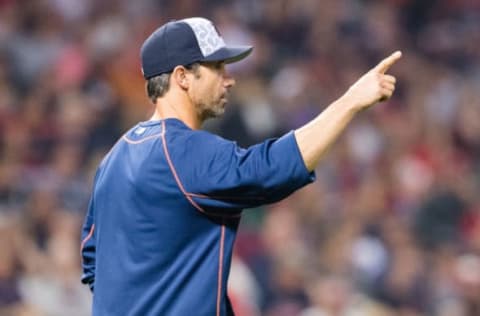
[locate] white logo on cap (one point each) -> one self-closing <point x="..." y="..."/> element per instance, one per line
<point x="207" y="37"/>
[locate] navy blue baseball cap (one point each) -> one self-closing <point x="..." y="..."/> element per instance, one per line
<point x="185" y="42"/>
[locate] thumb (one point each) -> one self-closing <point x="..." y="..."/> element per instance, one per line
<point x="385" y="64"/>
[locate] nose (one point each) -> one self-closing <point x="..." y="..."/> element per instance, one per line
<point x="228" y="81"/>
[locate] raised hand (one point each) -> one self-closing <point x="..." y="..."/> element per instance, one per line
<point x="374" y="86"/>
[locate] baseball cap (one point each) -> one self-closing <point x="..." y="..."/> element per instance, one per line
<point x="183" y="42"/>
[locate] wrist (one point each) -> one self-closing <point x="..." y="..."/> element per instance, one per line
<point x="348" y="104"/>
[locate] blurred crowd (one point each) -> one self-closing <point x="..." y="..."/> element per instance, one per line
<point x="390" y="227"/>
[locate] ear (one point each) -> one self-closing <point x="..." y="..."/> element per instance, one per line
<point x="179" y="75"/>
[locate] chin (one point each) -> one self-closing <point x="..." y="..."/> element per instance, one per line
<point x="218" y="112"/>
<point x="211" y="111"/>
<point x="219" y="108"/>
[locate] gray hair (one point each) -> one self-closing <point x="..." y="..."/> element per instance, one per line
<point x="157" y="86"/>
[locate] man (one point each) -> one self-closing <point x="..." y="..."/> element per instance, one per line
<point x="167" y="199"/>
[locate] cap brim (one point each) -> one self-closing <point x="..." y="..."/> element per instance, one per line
<point x="230" y="54"/>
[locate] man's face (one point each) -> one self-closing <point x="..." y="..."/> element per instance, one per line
<point x="209" y="89"/>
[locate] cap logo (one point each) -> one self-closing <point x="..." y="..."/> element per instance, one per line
<point x="207" y="37"/>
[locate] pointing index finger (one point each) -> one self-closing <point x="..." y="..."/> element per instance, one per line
<point x="385" y="64"/>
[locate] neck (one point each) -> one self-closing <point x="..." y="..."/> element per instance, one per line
<point x="178" y="107"/>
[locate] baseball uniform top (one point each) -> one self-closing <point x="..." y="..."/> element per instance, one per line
<point x="163" y="216"/>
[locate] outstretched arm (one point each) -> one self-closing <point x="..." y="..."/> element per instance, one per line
<point x="315" y="137"/>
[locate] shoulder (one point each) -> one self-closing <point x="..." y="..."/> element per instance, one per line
<point x="179" y="135"/>
<point x="203" y="146"/>
<point x="202" y="137"/>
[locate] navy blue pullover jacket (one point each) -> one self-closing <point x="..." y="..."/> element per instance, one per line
<point x="163" y="216"/>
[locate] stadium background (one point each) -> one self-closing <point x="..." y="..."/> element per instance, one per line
<point x="391" y="226"/>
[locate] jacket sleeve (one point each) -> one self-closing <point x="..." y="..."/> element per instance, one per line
<point x="88" y="247"/>
<point x="221" y="175"/>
